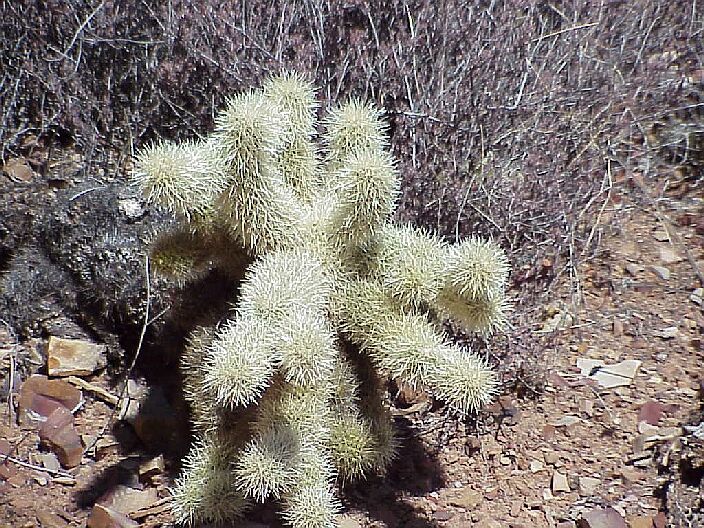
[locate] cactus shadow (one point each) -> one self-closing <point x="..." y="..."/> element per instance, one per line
<point x="415" y="472"/>
<point x="160" y="426"/>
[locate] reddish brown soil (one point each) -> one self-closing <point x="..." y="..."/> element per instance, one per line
<point x="500" y="471"/>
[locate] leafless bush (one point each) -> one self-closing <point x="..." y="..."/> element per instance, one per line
<point x="509" y="117"/>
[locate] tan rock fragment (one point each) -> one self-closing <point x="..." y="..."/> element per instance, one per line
<point x="126" y="500"/>
<point x="74" y="357"/>
<point x="640" y="521"/>
<point x="609" y="376"/>
<point x="559" y="482"/>
<point x="588" y="485"/>
<point x="40" y="396"/>
<point x="18" y="170"/>
<point x="669" y="256"/>
<point x="468" y="499"/>
<point x="61" y="437"/>
<point x="536" y="465"/>
<point x="48" y="519"/>
<point x="150" y="468"/>
<point x="348" y="522"/>
<point x="105" y="517"/>
<point x="50" y="461"/>
<point x="661" y="271"/>
<point x="602" y="518"/>
<point x="697" y="296"/>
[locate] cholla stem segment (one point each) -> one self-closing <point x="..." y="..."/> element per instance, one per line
<point x="285" y="393"/>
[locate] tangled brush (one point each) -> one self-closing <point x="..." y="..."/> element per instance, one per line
<point x="286" y="396"/>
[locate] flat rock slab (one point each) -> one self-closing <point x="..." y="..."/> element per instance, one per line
<point x="105" y="517"/>
<point x="602" y="518"/>
<point x="126" y="500"/>
<point x="74" y="357"/>
<point x="559" y="483"/>
<point x="609" y="376"/>
<point x="40" y="396"/>
<point x="59" y="434"/>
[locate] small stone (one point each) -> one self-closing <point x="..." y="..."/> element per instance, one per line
<point x="468" y="499"/>
<point x="7" y="471"/>
<point x="74" y="357"/>
<point x="646" y="429"/>
<point x="629" y="476"/>
<point x="651" y="412"/>
<point x="48" y="519"/>
<point x="131" y="208"/>
<point x="566" y="421"/>
<point x="105" y="517"/>
<point x="348" y="522"/>
<point x="18" y="170"/>
<point x="667" y="333"/>
<point x="640" y="522"/>
<point x="661" y="272"/>
<point x="473" y="444"/>
<point x="609" y="376"/>
<point x="135" y="393"/>
<point x="66" y="481"/>
<point x="522" y="463"/>
<point x="535" y="466"/>
<point x="565" y="524"/>
<point x="60" y="436"/>
<point x="40" y="396"/>
<point x="633" y="269"/>
<point x="661" y="235"/>
<point x="697" y="296"/>
<point x="660" y="520"/>
<point x="105" y="443"/>
<point x="586" y="406"/>
<point x="602" y="518"/>
<point x="551" y="457"/>
<point x="443" y="515"/>
<point x="548" y="432"/>
<point x="126" y="500"/>
<point x="504" y="460"/>
<point x="640" y="444"/>
<point x="50" y="461"/>
<point x="41" y="478"/>
<point x="669" y="256"/>
<point x="617" y="327"/>
<point x="559" y="482"/>
<point x="150" y="468"/>
<point x="588" y="485"/>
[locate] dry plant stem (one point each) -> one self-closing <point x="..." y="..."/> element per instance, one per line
<point x="99" y="392"/>
<point x="556" y="33"/>
<point x="22" y="463"/>
<point x="10" y="394"/>
<point x="12" y="360"/>
<point x="592" y="231"/>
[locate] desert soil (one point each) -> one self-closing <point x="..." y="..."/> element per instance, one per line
<point x="547" y="454"/>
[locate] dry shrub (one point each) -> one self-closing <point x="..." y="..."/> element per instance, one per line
<point x="509" y="117"/>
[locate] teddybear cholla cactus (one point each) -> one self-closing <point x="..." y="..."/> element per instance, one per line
<point x="284" y="396"/>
